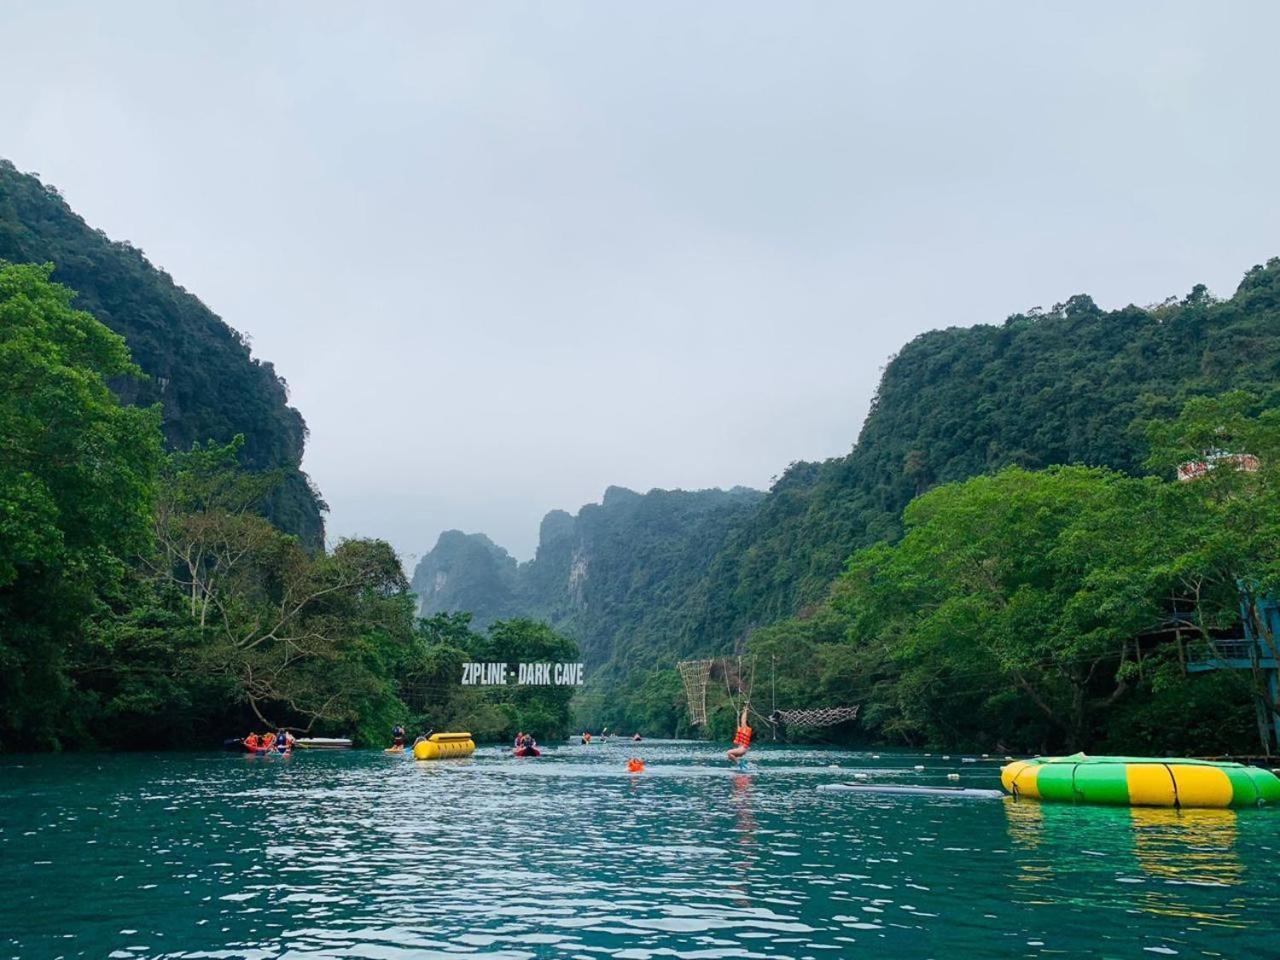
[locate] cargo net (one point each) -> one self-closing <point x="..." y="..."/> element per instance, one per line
<point x="694" y="674"/>
<point x="817" y="717"/>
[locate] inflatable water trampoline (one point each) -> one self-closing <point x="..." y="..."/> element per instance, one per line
<point x="1141" y="782"/>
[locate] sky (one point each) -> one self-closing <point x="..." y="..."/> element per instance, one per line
<point x="508" y="254"/>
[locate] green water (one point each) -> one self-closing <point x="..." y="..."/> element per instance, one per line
<point x="360" y="854"/>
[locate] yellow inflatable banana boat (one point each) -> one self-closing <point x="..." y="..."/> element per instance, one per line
<point x="444" y="746"/>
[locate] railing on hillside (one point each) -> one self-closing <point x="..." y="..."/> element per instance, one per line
<point x="1229" y="654"/>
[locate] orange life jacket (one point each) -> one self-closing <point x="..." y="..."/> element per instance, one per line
<point x="251" y="741"/>
<point x="743" y="737"/>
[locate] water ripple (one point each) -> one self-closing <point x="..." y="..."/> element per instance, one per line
<point x="361" y="854"/>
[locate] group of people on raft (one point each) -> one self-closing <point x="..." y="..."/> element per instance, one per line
<point x="281" y="741"/>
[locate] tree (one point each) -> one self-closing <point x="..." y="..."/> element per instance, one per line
<point x="1222" y="551"/>
<point x="433" y="678"/>
<point x="302" y="638"/>
<point x="994" y="591"/>
<point x="77" y="477"/>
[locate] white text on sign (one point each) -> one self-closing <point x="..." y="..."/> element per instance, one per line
<point x="523" y="674"/>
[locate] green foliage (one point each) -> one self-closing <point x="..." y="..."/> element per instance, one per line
<point x="222" y="623"/>
<point x="433" y="680"/>
<point x="307" y="639"/>
<point x="623" y="575"/>
<point x="199" y="370"/>
<point x="77" y="477"/>
<point x="1071" y="385"/>
<point x="1055" y="609"/>
<point x="1001" y="584"/>
<point x="642" y="581"/>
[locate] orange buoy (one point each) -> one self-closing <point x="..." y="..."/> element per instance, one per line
<point x="635" y="765"/>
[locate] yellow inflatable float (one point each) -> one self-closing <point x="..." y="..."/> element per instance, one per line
<point x="444" y="746"/>
<point x="1141" y="782"/>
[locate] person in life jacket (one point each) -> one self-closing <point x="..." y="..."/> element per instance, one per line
<point x="741" y="739"/>
<point x="284" y="741"/>
<point x="397" y="736"/>
<point x="251" y="742"/>
<point x="268" y="740"/>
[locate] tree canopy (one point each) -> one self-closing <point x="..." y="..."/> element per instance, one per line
<point x="77" y="480"/>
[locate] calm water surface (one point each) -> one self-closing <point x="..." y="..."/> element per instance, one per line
<point x="360" y="854"/>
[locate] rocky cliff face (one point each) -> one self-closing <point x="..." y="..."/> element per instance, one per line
<point x="593" y="573"/>
<point x="467" y="571"/>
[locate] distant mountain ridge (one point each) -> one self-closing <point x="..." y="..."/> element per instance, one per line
<point x="1073" y="384"/>
<point x="200" y="370"/>
<point x="593" y="573"/>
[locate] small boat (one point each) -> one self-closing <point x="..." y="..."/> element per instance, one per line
<point x="526" y="752"/>
<point x="322" y="743"/>
<point x="975" y="793"/>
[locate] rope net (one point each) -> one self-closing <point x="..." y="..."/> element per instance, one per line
<point x="694" y="674"/>
<point x="816" y="717"/>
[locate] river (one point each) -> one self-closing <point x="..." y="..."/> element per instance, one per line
<point x="361" y="854"/>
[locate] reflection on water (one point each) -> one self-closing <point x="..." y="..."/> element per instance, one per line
<point x="744" y="856"/>
<point x="1190" y="847"/>
<point x="1156" y="852"/>
<point x="368" y="855"/>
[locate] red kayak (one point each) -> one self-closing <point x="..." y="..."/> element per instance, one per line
<point x="526" y="752"/>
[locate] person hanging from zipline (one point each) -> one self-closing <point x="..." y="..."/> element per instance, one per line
<point x="741" y="739"/>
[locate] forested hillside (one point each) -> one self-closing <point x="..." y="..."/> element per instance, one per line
<point x="1072" y="385"/>
<point x="200" y="369"/>
<point x="615" y="577"/>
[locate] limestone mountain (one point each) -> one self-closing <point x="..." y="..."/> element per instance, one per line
<point x="199" y="369"/>
<point x="595" y="575"/>
<point x="645" y="579"/>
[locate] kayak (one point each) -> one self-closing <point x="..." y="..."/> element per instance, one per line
<point x="1141" y="782"/>
<point x="526" y="752"/>
<point x="395" y="750"/>
<point x="322" y="743"/>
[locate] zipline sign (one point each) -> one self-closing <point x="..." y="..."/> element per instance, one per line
<point x="522" y="674"/>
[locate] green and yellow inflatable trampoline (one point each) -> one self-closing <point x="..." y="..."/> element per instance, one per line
<point x="1141" y="782"/>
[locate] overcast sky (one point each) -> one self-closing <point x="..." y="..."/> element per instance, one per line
<point x="509" y="254"/>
